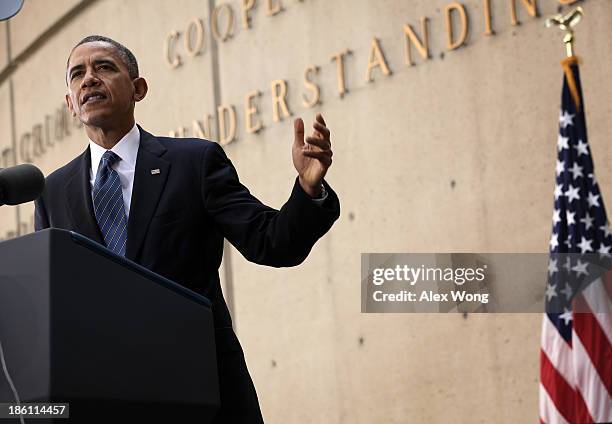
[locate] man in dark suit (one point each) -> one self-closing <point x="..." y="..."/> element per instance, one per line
<point x="168" y="203"/>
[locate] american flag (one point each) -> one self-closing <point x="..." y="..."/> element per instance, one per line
<point x="576" y="347"/>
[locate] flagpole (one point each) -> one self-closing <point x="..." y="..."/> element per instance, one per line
<point x="567" y="23"/>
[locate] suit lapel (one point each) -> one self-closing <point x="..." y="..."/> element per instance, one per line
<point x="147" y="190"/>
<point x="80" y="205"/>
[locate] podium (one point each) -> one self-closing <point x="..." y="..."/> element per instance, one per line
<point x="81" y="325"/>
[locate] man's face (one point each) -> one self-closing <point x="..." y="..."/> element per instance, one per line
<point x="100" y="90"/>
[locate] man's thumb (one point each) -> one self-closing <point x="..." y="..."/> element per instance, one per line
<point x="298" y="126"/>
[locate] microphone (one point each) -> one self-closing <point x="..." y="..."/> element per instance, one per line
<point x="20" y="184"/>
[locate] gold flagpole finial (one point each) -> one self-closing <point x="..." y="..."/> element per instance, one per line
<point x="567" y="23"/>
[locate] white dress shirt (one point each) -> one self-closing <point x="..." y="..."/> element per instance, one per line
<point x="127" y="150"/>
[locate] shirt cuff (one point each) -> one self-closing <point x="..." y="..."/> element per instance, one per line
<point x="321" y="200"/>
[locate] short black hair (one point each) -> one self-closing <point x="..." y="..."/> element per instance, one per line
<point x="125" y="54"/>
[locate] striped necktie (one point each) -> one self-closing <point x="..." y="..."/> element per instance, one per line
<point x="108" y="204"/>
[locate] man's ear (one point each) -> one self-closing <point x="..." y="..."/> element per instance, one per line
<point x="140" y="89"/>
<point x="69" y="104"/>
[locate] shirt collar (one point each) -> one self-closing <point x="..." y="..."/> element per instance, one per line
<point x="126" y="149"/>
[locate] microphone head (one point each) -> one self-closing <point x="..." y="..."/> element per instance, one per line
<point x="20" y="184"/>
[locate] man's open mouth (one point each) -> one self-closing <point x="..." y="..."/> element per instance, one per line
<point x="93" y="97"/>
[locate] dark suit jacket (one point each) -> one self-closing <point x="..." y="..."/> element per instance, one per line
<point x="178" y="219"/>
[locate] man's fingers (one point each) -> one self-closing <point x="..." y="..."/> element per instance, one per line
<point x="318" y="153"/>
<point x="324" y="157"/>
<point x="321" y="129"/>
<point x="320" y="119"/>
<point x="319" y="142"/>
<point x="298" y="127"/>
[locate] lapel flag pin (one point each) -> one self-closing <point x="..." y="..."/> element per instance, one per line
<point x="155" y="171"/>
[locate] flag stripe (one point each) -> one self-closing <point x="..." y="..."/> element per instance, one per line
<point x="558" y="351"/>
<point x="549" y="414"/>
<point x="567" y="400"/>
<point x="608" y="284"/>
<point x="595" y="344"/>
<point x="593" y="392"/>
<point x="596" y="296"/>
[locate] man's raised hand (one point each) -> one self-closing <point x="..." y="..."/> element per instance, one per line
<point x="312" y="156"/>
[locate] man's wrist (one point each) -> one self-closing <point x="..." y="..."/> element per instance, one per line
<point x="316" y="192"/>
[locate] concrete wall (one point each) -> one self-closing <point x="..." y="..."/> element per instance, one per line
<point x="453" y="154"/>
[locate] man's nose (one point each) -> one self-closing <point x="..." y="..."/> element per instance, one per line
<point x="89" y="79"/>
